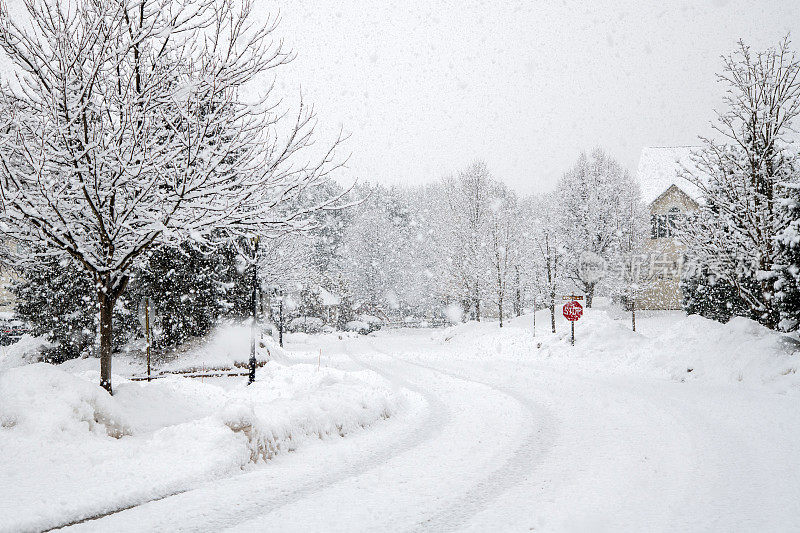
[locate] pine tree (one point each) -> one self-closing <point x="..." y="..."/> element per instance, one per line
<point x="787" y="286"/>
<point x="710" y="296"/>
<point x="58" y="300"/>
<point x="184" y="285"/>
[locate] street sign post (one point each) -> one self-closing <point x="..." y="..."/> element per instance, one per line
<point x="146" y="317"/>
<point x="252" y="376"/>
<point x="572" y="312"/>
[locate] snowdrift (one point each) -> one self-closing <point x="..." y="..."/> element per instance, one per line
<point x="227" y="346"/>
<point x="685" y="348"/>
<point x="71" y="451"/>
<point x="25" y="351"/>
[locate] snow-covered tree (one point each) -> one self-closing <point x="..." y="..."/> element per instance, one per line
<point x="787" y="284"/>
<point x="468" y="198"/>
<point x="503" y="235"/>
<point x="58" y="301"/>
<point x="375" y="253"/>
<point x="126" y="127"/>
<point x="595" y="198"/>
<point x="631" y="269"/>
<point x="187" y="288"/>
<point x="735" y="237"/>
<point x="544" y="239"/>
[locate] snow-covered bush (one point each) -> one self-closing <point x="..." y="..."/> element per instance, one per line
<point x="372" y="322"/>
<point x="225" y="347"/>
<point x="357" y="326"/>
<point x="306" y="324"/>
<point x="26" y="350"/>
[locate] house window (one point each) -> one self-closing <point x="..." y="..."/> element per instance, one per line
<point x="665" y="225"/>
<point x="674" y="220"/>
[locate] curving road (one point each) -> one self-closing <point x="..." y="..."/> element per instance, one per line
<point x="512" y="445"/>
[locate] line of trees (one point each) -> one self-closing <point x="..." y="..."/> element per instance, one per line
<point x="465" y="247"/>
<point x="131" y="166"/>
<point x="490" y="253"/>
<point x="469" y="242"/>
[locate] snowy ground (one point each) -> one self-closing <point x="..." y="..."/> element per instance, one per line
<point x="686" y="425"/>
<point x="71" y="451"/>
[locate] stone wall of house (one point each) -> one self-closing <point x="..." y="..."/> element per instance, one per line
<point x="661" y="289"/>
<point x="661" y="281"/>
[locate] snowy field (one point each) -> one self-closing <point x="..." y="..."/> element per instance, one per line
<point x="686" y="425"/>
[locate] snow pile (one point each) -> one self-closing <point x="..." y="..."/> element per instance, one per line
<point x="71" y="451"/>
<point x="741" y="350"/>
<point x="123" y="364"/>
<point x="689" y="348"/>
<point x="26" y="350"/>
<point x="290" y="404"/>
<point x="357" y="326"/>
<point x="226" y="347"/>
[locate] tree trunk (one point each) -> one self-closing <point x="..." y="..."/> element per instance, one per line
<point x="106" y="301"/>
<point x="553" y="310"/>
<point x="477" y="302"/>
<point x="500" y="309"/>
<point x="266" y="295"/>
<point x="280" y="322"/>
<point x="589" y="295"/>
<point x="107" y="294"/>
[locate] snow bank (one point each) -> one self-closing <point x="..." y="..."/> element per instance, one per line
<point x="357" y="326"/>
<point x="688" y="348"/>
<point x="26" y="350"/>
<point x="741" y="350"/>
<point x="226" y="346"/>
<point x="71" y="451"/>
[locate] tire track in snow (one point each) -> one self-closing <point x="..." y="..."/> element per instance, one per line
<point x="516" y="469"/>
<point x="261" y="504"/>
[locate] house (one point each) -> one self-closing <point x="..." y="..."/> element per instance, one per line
<point x="7" y="298"/>
<point x="7" y="278"/>
<point x="670" y="198"/>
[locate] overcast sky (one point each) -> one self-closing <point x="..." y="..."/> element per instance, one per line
<point x="424" y="87"/>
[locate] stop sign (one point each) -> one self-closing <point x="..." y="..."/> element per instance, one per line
<point x="573" y="311"/>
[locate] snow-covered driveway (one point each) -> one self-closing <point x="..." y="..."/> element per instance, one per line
<point x="510" y="443"/>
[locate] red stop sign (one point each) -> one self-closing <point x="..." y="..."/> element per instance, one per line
<point x="573" y="311"/>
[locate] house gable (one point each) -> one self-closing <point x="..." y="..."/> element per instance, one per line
<point x="673" y="198"/>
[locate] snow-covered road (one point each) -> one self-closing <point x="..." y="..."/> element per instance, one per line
<point x="513" y="444"/>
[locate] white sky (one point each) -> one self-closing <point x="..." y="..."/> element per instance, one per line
<point x="424" y="87"/>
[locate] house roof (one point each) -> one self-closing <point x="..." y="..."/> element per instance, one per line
<point x="660" y="168"/>
<point x="671" y="188"/>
